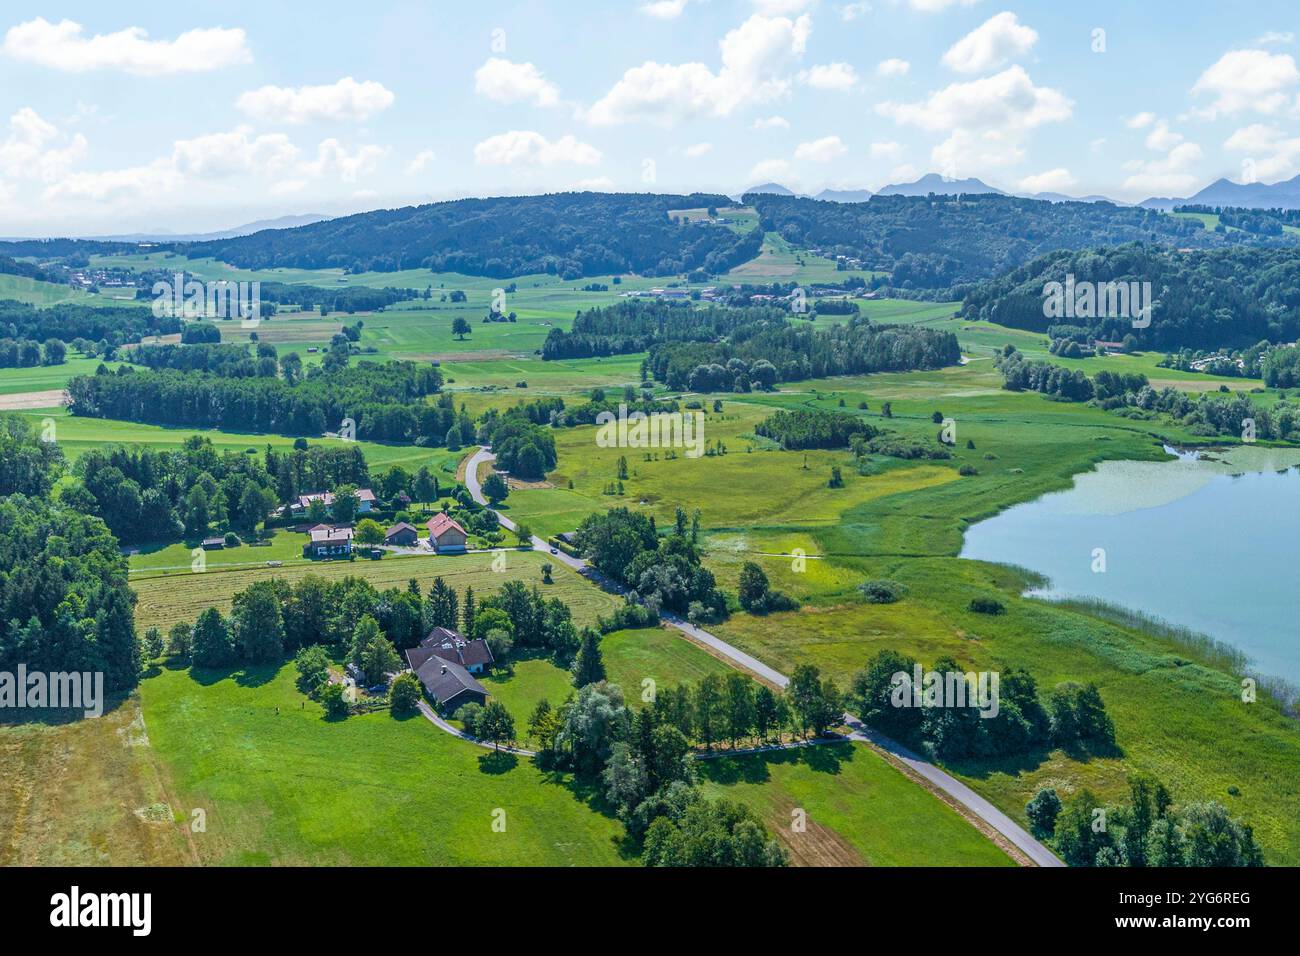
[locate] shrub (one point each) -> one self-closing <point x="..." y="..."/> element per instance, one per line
<point x="405" y="694"/>
<point x="882" y="591"/>
<point x="336" y="705"/>
<point x="313" y="665"/>
<point x="984" y="605"/>
<point x="967" y="470"/>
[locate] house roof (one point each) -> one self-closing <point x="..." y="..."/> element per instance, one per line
<point x="399" y="527"/>
<point x="446" y="680"/>
<point x="450" y="645"/>
<point x="322" y="535"/>
<point x="441" y="523"/>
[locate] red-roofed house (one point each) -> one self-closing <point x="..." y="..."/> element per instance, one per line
<point x="446" y="536"/>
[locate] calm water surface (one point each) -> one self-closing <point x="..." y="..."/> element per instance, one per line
<point x="1208" y="541"/>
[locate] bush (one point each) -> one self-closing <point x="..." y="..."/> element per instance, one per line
<point x="469" y="715"/>
<point x="882" y="591"/>
<point x="984" y="605"/>
<point x="405" y="694"/>
<point x="336" y="705"/>
<point x="313" y="665"/>
<point x="1043" y="810"/>
<point x="967" y="470"/>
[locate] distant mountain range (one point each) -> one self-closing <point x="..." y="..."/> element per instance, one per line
<point x="283" y="222"/>
<point x="927" y="184"/>
<point x="1224" y="192"/>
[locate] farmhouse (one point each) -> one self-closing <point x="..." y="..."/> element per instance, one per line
<point x="327" y="542"/>
<point x="214" y="544"/>
<point x="446" y="536"/>
<point x="473" y="654"/>
<point x="402" y="534"/>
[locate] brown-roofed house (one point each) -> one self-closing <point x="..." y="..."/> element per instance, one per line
<point x="365" y="500"/>
<point x="473" y="654"/>
<point x="402" y="534"/>
<point x="446" y="536"/>
<point x="449" y="684"/>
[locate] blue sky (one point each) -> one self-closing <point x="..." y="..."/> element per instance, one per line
<point x="146" y="116"/>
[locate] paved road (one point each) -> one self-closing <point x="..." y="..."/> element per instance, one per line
<point x="944" y="781"/>
<point x="432" y="715"/>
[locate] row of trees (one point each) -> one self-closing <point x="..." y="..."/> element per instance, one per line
<point x="1073" y="716"/>
<point x="114" y="325"/>
<point x="798" y="352"/>
<point x="1147" y="829"/>
<point x="803" y="428"/>
<point x="386" y="402"/>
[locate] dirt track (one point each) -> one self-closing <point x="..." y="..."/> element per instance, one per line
<point x="25" y="400"/>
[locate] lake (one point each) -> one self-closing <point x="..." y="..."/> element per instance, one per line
<point x="1209" y="541"/>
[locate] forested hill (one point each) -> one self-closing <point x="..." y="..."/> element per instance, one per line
<point x="1211" y="299"/>
<point x="942" y="242"/>
<point x="568" y="234"/>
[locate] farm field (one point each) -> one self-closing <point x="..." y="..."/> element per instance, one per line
<point x="281" y="785"/>
<point x="860" y="810"/>
<point x="168" y="598"/>
<point x="75" y="435"/>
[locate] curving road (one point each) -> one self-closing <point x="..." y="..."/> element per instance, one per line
<point x="942" y="780"/>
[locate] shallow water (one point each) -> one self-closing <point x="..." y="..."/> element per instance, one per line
<point x="1210" y="541"/>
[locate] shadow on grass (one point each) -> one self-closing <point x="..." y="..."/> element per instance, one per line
<point x="497" y="762"/>
<point x="254" y="675"/>
<point x="57" y="716"/>
<point x="755" y="768"/>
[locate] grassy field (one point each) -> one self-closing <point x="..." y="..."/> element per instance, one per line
<point x="43" y="294"/>
<point x="282" y="785"/>
<point x="1177" y="717"/>
<point x="857" y="810"/>
<point x="76" y="435"/>
<point x="165" y="599"/>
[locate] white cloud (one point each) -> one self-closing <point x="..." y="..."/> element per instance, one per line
<point x="346" y="100"/>
<point x="117" y="184"/>
<point x="893" y="67"/>
<point x="823" y="150"/>
<point x="938" y="6"/>
<point x="238" y="152"/>
<point x="837" y="77"/>
<point x="1162" y="139"/>
<point x="1007" y="100"/>
<point x="769" y="169"/>
<point x="771" y="122"/>
<point x="778" y="8"/>
<point x="1140" y="120"/>
<point x="1281" y="37"/>
<point x="1051" y="181"/>
<point x="995" y="42"/>
<point x="1270" y="153"/>
<point x="29" y="150"/>
<point x="904" y="173"/>
<point x="64" y="46"/>
<point x="968" y="152"/>
<point x="528" y="148"/>
<point x="506" y="82"/>
<point x="698" y="150"/>
<point x="889" y="150"/>
<point x="664" y="9"/>
<point x="753" y="57"/>
<point x="421" y="160"/>
<point x="1168" y="176"/>
<point x="1242" y="80"/>
<point x="852" y="11"/>
<point x="333" y="158"/>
